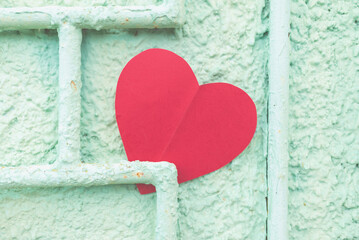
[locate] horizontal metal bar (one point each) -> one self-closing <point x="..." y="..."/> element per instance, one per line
<point x="88" y="174"/>
<point x="166" y="15"/>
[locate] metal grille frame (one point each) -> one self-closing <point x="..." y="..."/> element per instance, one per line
<point x="68" y="169"/>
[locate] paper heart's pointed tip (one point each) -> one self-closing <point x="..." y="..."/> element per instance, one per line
<point x="146" y="188"/>
<point x="165" y="114"/>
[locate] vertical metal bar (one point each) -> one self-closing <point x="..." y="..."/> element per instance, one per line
<point x="69" y="94"/>
<point x="166" y="213"/>
<point x="278" y="120"/>
<point x="167" y="204"/>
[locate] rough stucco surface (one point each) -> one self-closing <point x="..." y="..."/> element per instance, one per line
<point x="324" y="120"/>
<point x="222" y="41"/>
<point x="28" y="97"/>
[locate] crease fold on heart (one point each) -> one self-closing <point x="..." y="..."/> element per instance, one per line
<point x="163" y="114"/>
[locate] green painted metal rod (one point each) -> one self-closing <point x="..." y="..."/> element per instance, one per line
<point x="69" y="113"/>
<point x="166" y="15"/>
<point x="278" y="120"/>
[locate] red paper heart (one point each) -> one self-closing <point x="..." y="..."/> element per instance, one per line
<point x="164" y="115"/>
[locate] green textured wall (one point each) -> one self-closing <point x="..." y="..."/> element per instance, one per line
<point x="324" y="120"/>
<point x="222" y="41"/>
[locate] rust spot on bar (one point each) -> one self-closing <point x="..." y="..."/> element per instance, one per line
<point x="139" y="174"/>
<point x="73" y="85"/>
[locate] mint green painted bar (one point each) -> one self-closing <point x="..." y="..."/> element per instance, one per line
<point x="167" y="15"/>
<point x="69" y="114"/>
<point x="278" y="108"/>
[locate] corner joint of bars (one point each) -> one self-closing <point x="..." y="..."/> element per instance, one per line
<point x="161" y="174"/>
